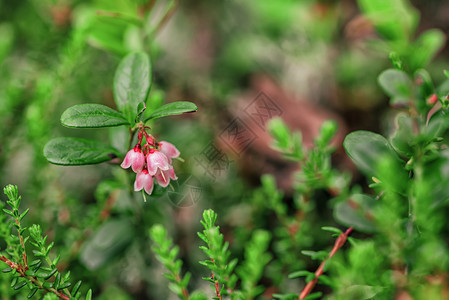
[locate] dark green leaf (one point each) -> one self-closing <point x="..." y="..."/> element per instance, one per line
<point x="75" y="151"/>
<point x="171" y="109"/>
<point x="366" y="149"/>
<point x="92" y="116"/>
<point x="57" y="281"/>
<point x="76" y="287"/>
<point x="132" y="83"/>
<point x="107" y="243"/>
<point x="404" y="135"/>
<point x="32" y="292"/>
<point x="51" y="273"/>
<point x="356" y="212"/>
<point x="20" y="285"/>
<point x="397" y="85"/>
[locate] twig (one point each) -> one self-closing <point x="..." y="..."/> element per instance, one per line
<point x="338" y="244"/>
<point x="217" y="286"/>
<point x="21" y="270"/>
<point x="167" y="16"/>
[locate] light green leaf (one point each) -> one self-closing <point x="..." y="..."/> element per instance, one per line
<point x="69" y="151"/>
<point x="426" y="47"/>
<point x="171" y="109"/>
<point x="384" y="16"/>
<point x="92" y="116"/>
<point x="132" y="83"/>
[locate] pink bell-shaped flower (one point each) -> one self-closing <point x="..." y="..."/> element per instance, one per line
<point x="163" y="177"/>
<point x="168" y="149"/>
<point x="157" y="160"/>
<point x="135" y="159"/>
<point x="144" y="181"/>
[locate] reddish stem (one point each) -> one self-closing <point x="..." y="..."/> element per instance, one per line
<point x="11" y="264"/>
<point x="338" y="244"/>
<point x="21" y="270"/>
<point x="149" y="138"/>
<point x="217" y="286"/>
<point x="185" y="292"/>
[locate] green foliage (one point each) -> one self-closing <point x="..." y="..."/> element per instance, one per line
<point x="366" y="149"/>
<point x="40" y="273"/>
<point x="92" y="116"/>
<point x="100" y="227"/>
<point x="108" y="242"/>
<point x="172" y="109"/>
<point x="132" y="83"/>
<point x="75" y="151"/>
<point x="166" y="253"/>
<point x="251" y="269"/>
<point x="131" y="87"/>
<point x="398" y="33"/>
<point x="222" y="267"/>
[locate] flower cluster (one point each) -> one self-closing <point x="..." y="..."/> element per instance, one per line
<point x="154" y="160"/>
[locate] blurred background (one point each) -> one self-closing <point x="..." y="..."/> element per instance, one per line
<point x="241" y="61"/>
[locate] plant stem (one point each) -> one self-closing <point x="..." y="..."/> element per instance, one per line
<point x="338" y="244"/>
<point x="217" y="286"/>
<point x="21" y="270"/>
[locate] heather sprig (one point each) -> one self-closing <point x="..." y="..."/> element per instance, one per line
<point x="166" y="253"/>
<point x="40" y="273"/>
<point x="223" y="278"/>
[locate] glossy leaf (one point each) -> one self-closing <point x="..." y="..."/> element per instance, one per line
<point x="132" y="83"/>
<point x="92" y="116"/>
<point x="404" y="136"/>
<point x="107" y="243"/>
<point x="171" y="109"/>
<point x="366" y="149"/>
<point x="397" y="85"/>
<point x="356" y="212"/>
<point x="75" y="151"/>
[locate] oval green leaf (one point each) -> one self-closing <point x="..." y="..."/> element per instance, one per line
<point x="426" y="47"/>
<point x="174" y="108"/>
<point x="107" y="243"/>
<point x="69" y="151"/>
<point x="132" y="83"/>
<point x="357" y="212"/>
<point x="397" y="85"/>
<point x="367" y="149"/>
<point x="92" y="116"/>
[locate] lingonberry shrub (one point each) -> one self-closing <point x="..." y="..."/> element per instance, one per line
<point x="151" y="160"/>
